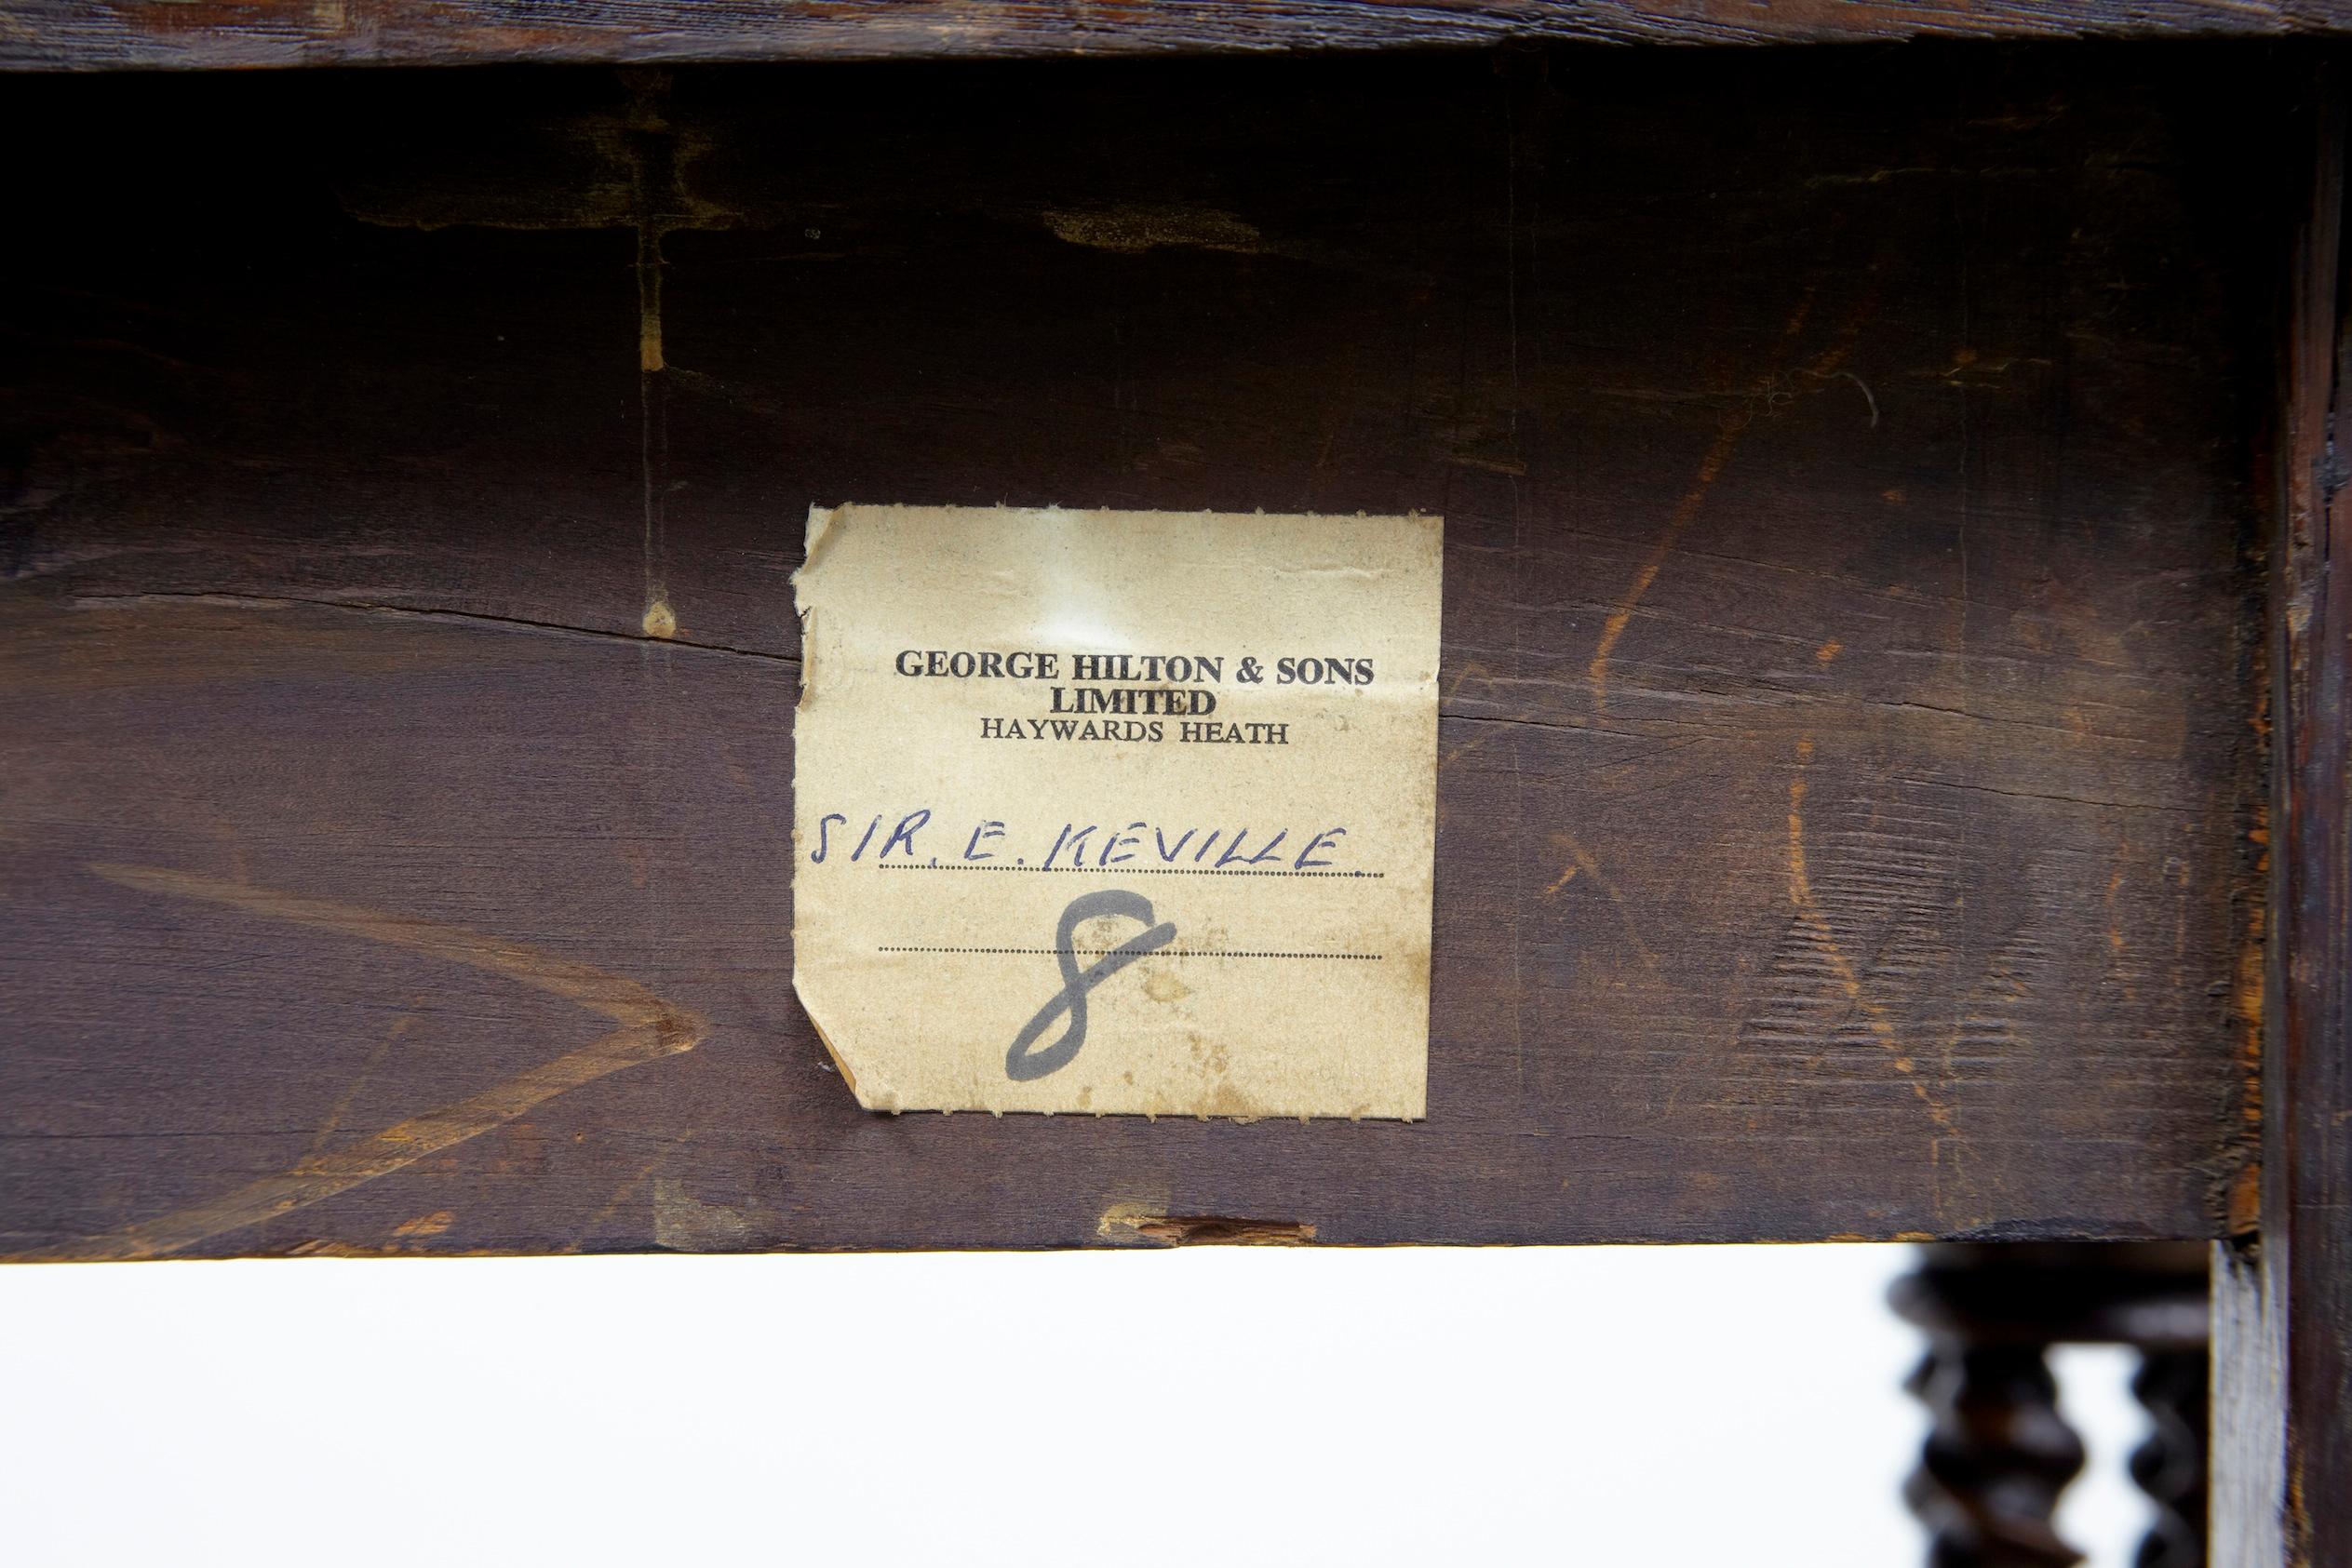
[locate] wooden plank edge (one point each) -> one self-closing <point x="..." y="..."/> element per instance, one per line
<point x="2282" y="1295"/>
<point x="172" y="34"/>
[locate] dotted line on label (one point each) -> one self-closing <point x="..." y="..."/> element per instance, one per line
<point x="1155" y="953"/>
<point x="1122" y="870"/>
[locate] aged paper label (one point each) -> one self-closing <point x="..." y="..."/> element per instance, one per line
<point x="1118" y="811"/>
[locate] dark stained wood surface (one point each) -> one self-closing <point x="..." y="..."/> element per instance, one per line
<point x="2283" y="1298"/>
<point x="1851" y="625"/>
<point x="102" y="34"/>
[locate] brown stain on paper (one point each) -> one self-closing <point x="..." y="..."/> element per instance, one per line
<point x="1161" y="986"/>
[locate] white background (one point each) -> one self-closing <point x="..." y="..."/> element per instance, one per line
<point x="1622" y="1406"/>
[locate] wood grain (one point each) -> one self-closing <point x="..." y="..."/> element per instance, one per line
<point x="107" y="35"/>
<point x="2283" y="1297"/>
<point x="1851" y="630"/>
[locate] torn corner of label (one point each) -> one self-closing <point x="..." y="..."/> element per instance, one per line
<point x="824" y="1039"/>
<point x="1118" y="813"/>
<point x="819" y="529"/>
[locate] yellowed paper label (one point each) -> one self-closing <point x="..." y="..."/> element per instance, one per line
<point x="1118" y="811"/>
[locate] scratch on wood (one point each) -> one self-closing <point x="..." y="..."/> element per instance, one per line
<point x="624" y="1001"/>
<point x="611" y="1205"/>
<point x="1809" y="910"/>
<point x="1711" y="466"/>
<point x="655" y="207"/>
<point x="351" y="1092"/>
<point x="651" y="1028"/>
<point x="1849" y="978"/>
<point x="1726" y="440"/>
<point x="1581" y="860"/>
<point x="200" y="599"/>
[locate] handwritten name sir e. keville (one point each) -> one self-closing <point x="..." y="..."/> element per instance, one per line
<point x="914" y="840"/>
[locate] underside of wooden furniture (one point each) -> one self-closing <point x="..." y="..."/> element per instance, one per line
<point x="1851" y="769"/>
<point x="1894" y="732"/>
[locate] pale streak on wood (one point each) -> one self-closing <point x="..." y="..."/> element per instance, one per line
<point x="649" y="120"/>
<point x="624" y="1001"/>
<point x="401" y="1144"/>
<point x="651" y="1028"/>
<point x="611" y="1205"/>
<point x="1710" y="467"/>
<point x="1849" y="980"/>
<point x="351" y="1092"/>
<point x="1581" y="860"/>
<point x="1727" y="442"/>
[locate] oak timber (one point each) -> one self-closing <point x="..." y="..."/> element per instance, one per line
<point x="1853" y="611"/>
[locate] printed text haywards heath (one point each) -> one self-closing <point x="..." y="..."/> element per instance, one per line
<point x="1129" y="696"/>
